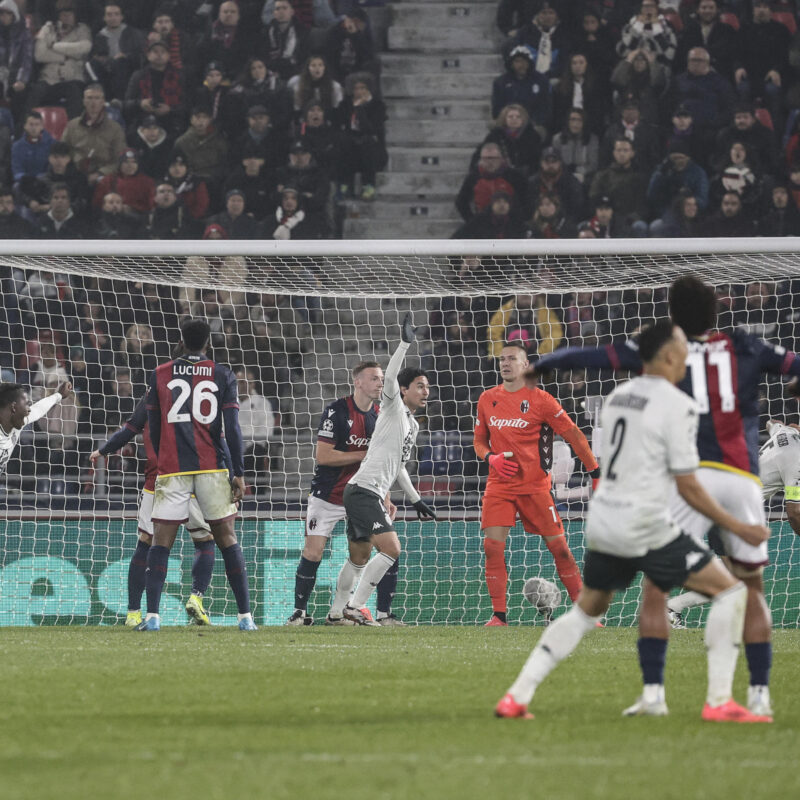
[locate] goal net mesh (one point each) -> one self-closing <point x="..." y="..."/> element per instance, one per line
<point x="297" y="324"/>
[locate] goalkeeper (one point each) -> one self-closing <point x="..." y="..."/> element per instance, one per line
<point x="369" y="523"/>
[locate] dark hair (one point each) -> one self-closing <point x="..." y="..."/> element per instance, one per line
<point x="34" y="114"/>
<point x="692" y="305"/>
<point x="10" y="393"/>
<point x="96" y="86"/>
<point x="60" y="187"/>
<point x="654" y="337"/>
<point x="195" y="334"/>
<point x="362" y="365"/>
<point x="408" y="375"/>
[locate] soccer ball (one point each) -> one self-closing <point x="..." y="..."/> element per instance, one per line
<point x="542" y="594"/>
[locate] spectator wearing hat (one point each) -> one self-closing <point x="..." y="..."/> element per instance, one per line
<point x="60" y="220"/>
<point x="169" y="218"/>
<point x="205" y="150"/>
<point x="136" y="189"/>
<point x="759" y="140"/>
<point x="762" y="64"/>
<point x="260" y="86"/>
<point x="623" y="183"/>
<point x="641" y="78"/>
<point x="182" y="53"/>
<point x="16" y="57"/>
<point x="94" y="138"/>
<point x="521" y="84"/>
<point x="546" y="39"/>
<point x="190" y="190"/>
<point x="312" y="183"/>
<point x="61" y="50"/>
<point x="157" y="90"/>
<point x="154" y="146"/>
<point x="364" y="140"/>
<point x="706" y="93"/>
<point x="234" y="219"/>
<point x="578" y="147"/>
<point x="603" y="223"/>
<point x="261" y="134"/>
<point x="114" y="222"/>
<point x="253" y="180"/>
<point x="707" y="30"/>
<point x="499" y="220"/>
<point x="119" y="48"/>
<point x="228" y="42"/>
<point x="645" y="137"/>
<point x="684" y="130"/>
<point x="286" y="40"/>
<point x="675" y="174"/>
<point x="782" y="217"/>
<point x="349" y="47"/>
<point x="215" y="94"/>
<point x="492" y="174"/>
<point x="649" y="32"/>
<point x="321" y="136"/>
<point x="548" y="220"/>
<point x="29" y="153"/>
<point x="290" y="221"/>
<point x="552" y="178"/>
<point x="517" y="137"/>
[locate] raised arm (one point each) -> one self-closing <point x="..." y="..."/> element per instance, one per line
<point x="618" y="356"/>
<point x="391" y="387"/>
<point x="43" y="406"/>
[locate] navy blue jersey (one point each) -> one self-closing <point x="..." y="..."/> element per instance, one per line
<point x="186" y="403"/>
<point x="347" y="428"/>
<point x="723" y="375"/>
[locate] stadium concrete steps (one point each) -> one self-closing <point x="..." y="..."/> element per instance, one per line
<point x="436" y="81"/>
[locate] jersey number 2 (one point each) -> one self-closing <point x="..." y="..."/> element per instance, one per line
<point x="617" y="438"/>
<point x="204" y="390"/>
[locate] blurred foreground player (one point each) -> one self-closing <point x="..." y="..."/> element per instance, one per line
<point x="650" y="447"/>
<point x="188" y="400"/>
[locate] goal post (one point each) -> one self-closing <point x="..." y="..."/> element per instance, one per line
<point x="297" y="316"/>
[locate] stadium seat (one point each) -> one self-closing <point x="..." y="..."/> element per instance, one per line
<point x="786" y="18"/>
<point x="54" y="118"/>
<point x="764" y="117"/>
<point x="729" y="18"/>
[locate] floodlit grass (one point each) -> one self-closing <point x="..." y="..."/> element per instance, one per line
<point x="366" y="713"/>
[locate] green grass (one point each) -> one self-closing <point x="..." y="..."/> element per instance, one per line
<point x="342" y="713"/>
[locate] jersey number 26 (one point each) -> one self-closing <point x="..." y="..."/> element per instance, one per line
<point x="203" y="391"/>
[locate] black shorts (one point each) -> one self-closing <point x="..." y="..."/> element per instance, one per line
<point x="366" y="514"/>
<point x="667" y="567"/>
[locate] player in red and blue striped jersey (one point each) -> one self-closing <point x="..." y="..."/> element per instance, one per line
<point x="723" y="375"/>
<point x="204" y="550"/>
<point x="189" y="401"/>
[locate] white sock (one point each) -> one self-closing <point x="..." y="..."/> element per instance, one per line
<point x="348" y="577"/>
<point x="723" y="639"/>
<point x="150" y="615"/>
<point x="240" y="617"/>
<point x="685" y="600"/>
<point x="373" y="573"/>
<point x="557" y="642"/>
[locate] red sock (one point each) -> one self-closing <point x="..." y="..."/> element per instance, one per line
<point x="565" y="565"/>
<point x="496" y="573"/>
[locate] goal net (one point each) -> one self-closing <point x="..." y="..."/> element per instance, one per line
<point x="296" y="317"/>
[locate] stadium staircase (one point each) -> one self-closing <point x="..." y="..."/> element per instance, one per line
<point x="436" y="81"/>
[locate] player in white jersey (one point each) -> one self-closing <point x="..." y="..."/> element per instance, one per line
<point x="779" y="467"/>
<point x="17" y="412"/>
<point x="368" y="521"/>
<point x="649" y="444"/>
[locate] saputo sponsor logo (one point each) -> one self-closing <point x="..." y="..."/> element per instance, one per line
<point x="502" y="422"/>
<point x="358" y="441"/>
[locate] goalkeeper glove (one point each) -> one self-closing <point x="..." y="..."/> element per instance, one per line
<point x="424" y="511"/>
<point x="407" y="330"/>
<point x="502" y="465"/>
<point x="595" y="475"/>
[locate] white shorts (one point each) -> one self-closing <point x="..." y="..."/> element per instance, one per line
<point x="212" y="490"/>
<point x="741" y="497"/>
<point x="322" y="516"/>
<point x="197" y="526"/>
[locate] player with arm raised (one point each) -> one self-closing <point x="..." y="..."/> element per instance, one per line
<point x="188" y="401"/>
<point x="514" y="435"/>
<point x="343" y="436"/>
<point x="723" y="375"/>
<point x="369" y="523"/>
<point x="649" y="450"/>
<point x="203" y="562"/>
<point x="17" y="412"/>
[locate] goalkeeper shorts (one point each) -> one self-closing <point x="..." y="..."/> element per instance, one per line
<point x="536" y="511"/>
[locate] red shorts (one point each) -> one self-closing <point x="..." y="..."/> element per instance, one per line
<point x="537" y="512"/>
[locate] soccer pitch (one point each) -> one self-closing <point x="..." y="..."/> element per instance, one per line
<point x="368" y="713"/>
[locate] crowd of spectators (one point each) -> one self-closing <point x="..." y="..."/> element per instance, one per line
<point x="676" y="118"/>
<point x="152" y="119"/>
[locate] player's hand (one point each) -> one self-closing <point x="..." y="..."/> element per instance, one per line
<point x="391" y="509"/>
<point x="239" y="487"/>
<point x="424" y="511"/>
<point x="595" y="475"/>
<point x="752" y="534"/>
<point x="501" y="464"/>
<point x="407" y="330"/>
<point x="64" y="389"/>
<point x="94" y="457"/>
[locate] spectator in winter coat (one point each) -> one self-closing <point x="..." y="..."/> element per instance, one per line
<point x="29" y="153"/>
<point x="12" y="225"/>
<point x="547" y="40"/>
<point x="260" y="86"/>
<point x="190" y="190"/>
<point x="548" y="220"/>
<point x="782" y="218"/>
<point x="261" y="133"/>
<point x="677" y="173"/>
<point x="286" y="41"/>
<point x="234" y="220"/>
<point x="684" y="130"/>
<point x="254" y="181"/>
<point x="60" y="168"/>
<point x="759" y="140"/>
<point x="310" y="180"/>
<point x="649" y="31"/>
<point x="290" y="220"/>
<point x="639" y="77"/>
<point x="603" y="223"/>
<point x="309" y="13"/>
<point x="153" y="145"/>
<point x="216" y="95"/>
<point x="709" y="32"/>
<point x="623" y="183"/>
<point x="113" y="222"/>
<point x="349" y="48"/>
<point x="645" y="137"/>
<point x="740" y="174"/>
<point x="493" y="174"/>
<point x="169" y="218"/>
<point x="729" y="220"/>
<point x="120" y="48"/>
<point x="205" y="149"/>
<point x="61" y="49"/>
<point x="500" y="220"/>
<point x="518" y="139"/>
<point x="315" y="82"/>
<point x="522" y="85"/>
<point x="136" y="189"/>
<point x="682" y="220"/>
<point x="16" y="56"/>
<point x="579" y="88"/>
<point x="228" y="42"/>
<point x="596" y="42"/>
<point x="578" y="147"/>
<point x="182" y="52"/>
<point x="553" y="179"/>
<point x="60" y="220"/>
<point x="324" y="140"/>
